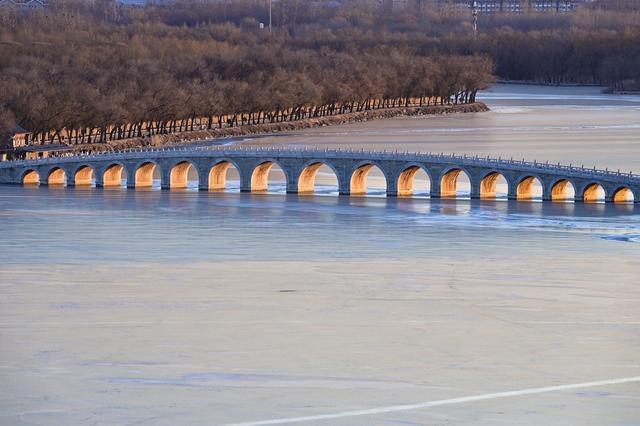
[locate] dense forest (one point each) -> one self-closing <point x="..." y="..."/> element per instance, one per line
<point x="79" y="65"/>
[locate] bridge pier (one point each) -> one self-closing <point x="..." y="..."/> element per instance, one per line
<point x="131" y="175"/>
<point x="245" y="180"/>
<point x="476" y="191"/>
<point x="165" y="183"/>
<point x="547" y="194"/>
<point x="435" y="187"/>
<point x="392" y="182"/>
<point x="392" y="176"/>
<point x="344" y="185"/>
<point x="165" y="178"/>
<point x="203" y="181"/>
<point x="292" y="183"/>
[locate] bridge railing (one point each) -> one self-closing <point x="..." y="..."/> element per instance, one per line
<point x="491" y="162"/>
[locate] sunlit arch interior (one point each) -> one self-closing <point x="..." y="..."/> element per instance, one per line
<point x="367" y="178"/>
<point x="494" y="185"/>
<point x="181" y="174"/>
<point x="563" y="190"/>
<point x="220" y="174"/>
<point x="529" y="188"/>
<point x="593" y="193"/>
<point x="317" y="173"/>
<point x="84" y="176"/>
<point x="146" y="174"/>
<point x="57" y="176"/>
<point x="31" y="177"/>
<point x="113" y="176"/>
<point x="623" y="195"/>
<point x="413" y="181"/>
<point x="268" y="176"/>
<point x="455" y="182"/>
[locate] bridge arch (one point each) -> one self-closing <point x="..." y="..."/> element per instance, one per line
<point x="360" y="174"/>
<point x="407" y="179"/>
<point x="219" y="172"/>
<point x="260" y="175"/>
<point x="307" y="177"/>
<point x="83" y="175"/>
<point x="623" y="194"/>
<point x="592" y="193"/>
<point x="529" y="187"/>
<point x="113" y="175"/>
<point x="449" y="181"/>
<point x="562" y="189"/>
<point x="489" y="184"/>
<point x="30" y="177"/>
<point x="179" y="174"/>
<point x="56" y="176"/>
<point x="145" y="172"/>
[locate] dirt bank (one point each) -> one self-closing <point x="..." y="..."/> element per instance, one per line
<point x="268" y="128"/>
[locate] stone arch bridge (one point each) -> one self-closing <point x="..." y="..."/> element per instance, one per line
<point x="301" y="166"/>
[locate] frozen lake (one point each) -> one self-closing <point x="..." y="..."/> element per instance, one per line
<point x="578" y="125"/>
<point x="181" y="307"/>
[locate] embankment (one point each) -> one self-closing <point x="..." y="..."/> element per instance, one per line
<point x="174" y="139"/>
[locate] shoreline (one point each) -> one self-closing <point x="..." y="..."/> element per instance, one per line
<point x="605" y="89"/>
<point x="266" y="129"/>
<point x="534" y="83"/>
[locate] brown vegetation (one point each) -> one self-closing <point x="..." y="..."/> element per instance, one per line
<point x="91" y="72"/>
<point x="83" y="72"/>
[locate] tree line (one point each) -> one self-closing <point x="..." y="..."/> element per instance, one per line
<point x="91" y="72"/>
<point x="81" y="71"/>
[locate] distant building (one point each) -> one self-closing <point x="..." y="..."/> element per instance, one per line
<point x="522" y="6"/>
<point x="17" y="144"/>
<point x="14" y="139"/>
<point x="496" y="6"/>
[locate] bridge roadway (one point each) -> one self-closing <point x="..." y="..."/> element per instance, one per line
<point x="300" y="166"/>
